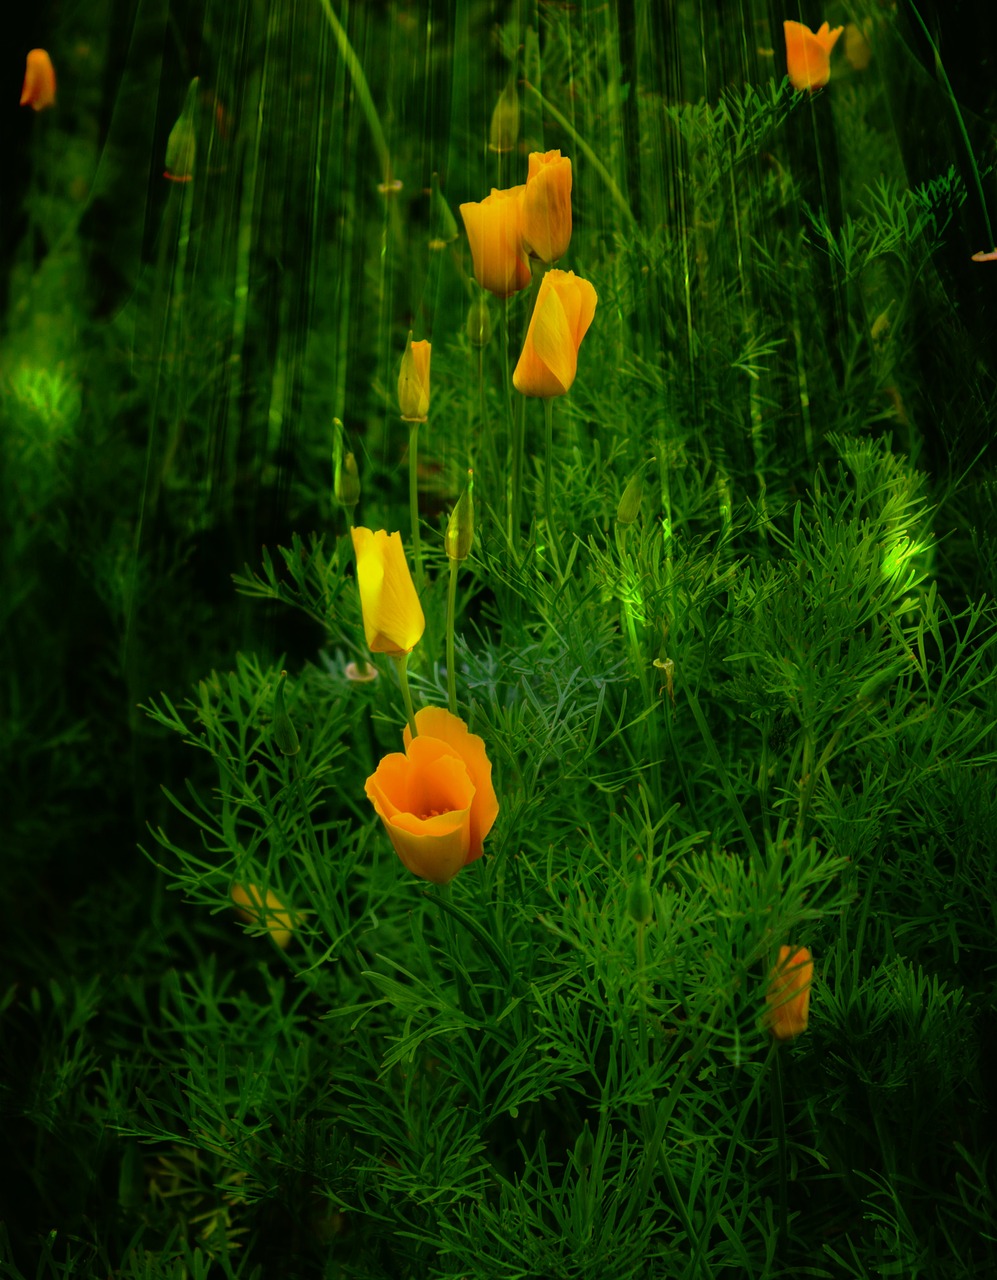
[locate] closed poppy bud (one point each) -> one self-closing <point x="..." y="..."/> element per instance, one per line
<point x="495" y="233"/>
<point x="413" y="381"/>
<point x="436" y="801"/>
<point x="788" y="996"/>
<point x="460" y="526"/>
<point x="392" y="615"/>
<point x="547" y="206"/>
<point x="38" y="90"/>
<point x="347" y="486"/>
<point x="808" y="54"/>
<point x="479" y="323"/>
<point x="564" y="310"/>
<point x="284" y="733"/>
<point x="181" y="146"/>
<point x="629" y="508"/>
<point x="442" y="224"/>
<point x="640" y="904"/>
<point x="270" y="911"/>
<point x="504" y="130"/>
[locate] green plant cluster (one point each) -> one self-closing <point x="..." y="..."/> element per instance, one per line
<point x="730" y="643"/>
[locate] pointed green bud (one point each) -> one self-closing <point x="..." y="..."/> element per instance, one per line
<point x="345" y="477"/>
<point x="460" y="528"/>
<point x="443" y="229"/>
<point x="504" y="131"/>
<point x="479" y="323"/>
<point x="284" y="733"/>
<point x="348" y="483"/>
<point x="629" y="508"/>
<point x="181" y="145"/>
<point x="584" y="1148"/>
<point x="640" y="906"/>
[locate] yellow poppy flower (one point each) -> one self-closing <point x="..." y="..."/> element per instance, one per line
<point x="392" y="615"/>
<point x="564" y="310"/>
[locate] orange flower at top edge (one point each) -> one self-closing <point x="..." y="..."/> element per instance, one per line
<point x="495" y="233"/>
<point x="38" y="90"/>
<point x="788" y="995"/>
<point x="808" y="54"/>
<point x="436" y="801"/>
<point x="564" y="309"/>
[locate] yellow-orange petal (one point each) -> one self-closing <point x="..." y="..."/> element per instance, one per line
<point x="252" y="906"/>
<point x="495" y="233"/>
<point x="424" y="799"/>
<point x="392" y="615"/>
<point x="788" y="995"/>
<point x="808" y="54"/>
<point x="437" y="724"/>
<point x="38" y="89"/>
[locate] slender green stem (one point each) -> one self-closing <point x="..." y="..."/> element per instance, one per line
<point x="779" y="1129"/>
<point x="960" y="123"/>
<point x="413" y="503"/>
<point x="548" y="481"/>
<point x="401" y="666"/>
<point x="451" y="618"/>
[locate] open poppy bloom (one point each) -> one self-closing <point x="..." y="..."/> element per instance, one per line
<point x="436" y="801"/>
<point x="393" y="620"/>
<point x="788" y="996"/>
<point x="38" y="90"/>
<point x="252" y="906"/>
<point x="547" y="206"/>
<point x="413" y="381"/>
<point x="564" y="310"/>
<point x="495" y="233"/>
<point x="808" y="54"/>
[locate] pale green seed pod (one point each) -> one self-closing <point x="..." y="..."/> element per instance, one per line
<point x="640" y="905"/>
<point x="629" y="508"/>
<point x="479" y="323"/>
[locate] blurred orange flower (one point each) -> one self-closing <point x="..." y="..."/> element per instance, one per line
<point x="561" y="318"/>
<point x="788" y="996"/>
<point x="38" y="90"/>
<point x="808" y="54"/>
<point x="547" y="206"/>
<point x="413" y="381"/>
<point x="436" y="801"/>
<point x="495" y="233"/>
<point x="392" y="615"/>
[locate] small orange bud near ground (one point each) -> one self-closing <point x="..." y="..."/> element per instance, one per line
<point x="38" y="90"/>
<point x="788" y="996"/>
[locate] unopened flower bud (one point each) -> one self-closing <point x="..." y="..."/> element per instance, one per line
<point x="479" y="323"/>
<point x="347" y="487"/>
<point x="443" y="229"/>
<point x="504" y="131"/>
<point x="640" y="905"/>
<point x="460" y="528"/>
<point x="584" y="1148"/>
<point x="284" y="733"/>
<point x="629" y="508"/>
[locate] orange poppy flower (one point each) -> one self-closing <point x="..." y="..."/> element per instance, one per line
<point x="38" y="90"/>
<point x="495" y="233"/>
<point x="436" y="801"/>
<point x="788" y="995"/>
<point x="392" y="615"/>
<point x="564" y="310"/>
<point x="808" y="54"/>
<point x="547" y="206"/>
<point x="413" y="381"/>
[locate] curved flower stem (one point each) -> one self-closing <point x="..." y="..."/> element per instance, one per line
<point x="413" y="502"/>
<point x="548" y="486"/>
<point x="401" y="666"/>
<point x="451" y="618"/>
